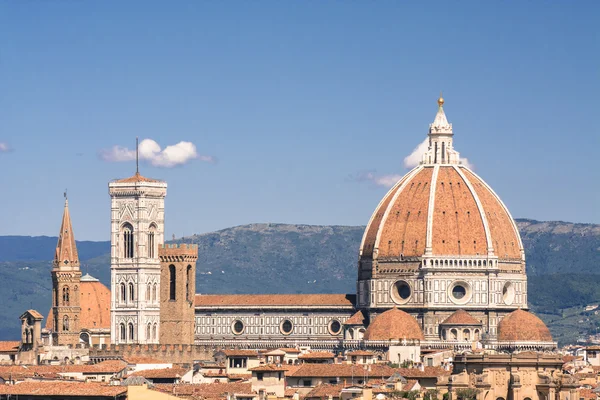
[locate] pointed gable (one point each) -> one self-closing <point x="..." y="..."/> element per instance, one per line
<point x="357" y="319"/>
<point x="66" y="250"/>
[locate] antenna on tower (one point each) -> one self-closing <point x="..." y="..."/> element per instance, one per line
<point x="137" y="155"/>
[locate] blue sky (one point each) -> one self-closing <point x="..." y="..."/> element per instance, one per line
<point x="293" y="102"/>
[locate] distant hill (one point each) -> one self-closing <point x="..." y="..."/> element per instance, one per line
<point x="562" y="258"/>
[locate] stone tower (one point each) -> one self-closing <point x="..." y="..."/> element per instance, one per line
<point x="66" y="277"/>
<point x="137" y="230"/>
<point x="178" y="274"/>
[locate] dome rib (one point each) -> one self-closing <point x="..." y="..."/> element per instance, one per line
<point x="378" y="215"/>
<point x="430" y="211"/>
<point x="486" y="226"/>
<point x="497" y="227"/>
<point x="409" y="177"/>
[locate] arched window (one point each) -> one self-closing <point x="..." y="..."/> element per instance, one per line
<point x="476" y="334"/>
<point x="123" y="296"/>
<point x="148" y="331"/>
<point x="154" y="298"/>
<point x="188" y="279"/>
<point x="148" y="290"/>
<point x="131" y="292"/>
<point x="466" y="334"/>
<point x="123" y="335"/>
<point x="151" y="241"/>
<point x="65" y="296"/>
<point x="453" y="334"/>
<point x="66" y="323"/>
<point x="154" y="332"/>
<point x="131" y="332"/>
<point x="172" y="282"/>
<point x="127" y="241"/>
<point x="84" y="337"/>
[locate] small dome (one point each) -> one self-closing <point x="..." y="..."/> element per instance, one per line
<point x="394" y="324"/>
<point x="461" y="317"/>
<point x="523" y="326"/>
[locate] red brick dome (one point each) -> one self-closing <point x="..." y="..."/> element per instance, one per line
<point x="442" y="210"/>
<point x="523" y="326"/>
<point x="394" y="324"/>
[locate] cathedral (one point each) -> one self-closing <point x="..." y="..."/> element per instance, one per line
<point x="441" y="265"/>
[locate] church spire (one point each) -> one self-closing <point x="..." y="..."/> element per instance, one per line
<point x="66" y="250"/>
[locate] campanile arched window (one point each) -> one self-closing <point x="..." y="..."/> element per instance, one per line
<point x="123" y="335"/>
<point x="131" y="292"/>
<point x="172" y="282"/>
<point x="65" y="292"/>
<point x="66" y="323"/>
<point x="152" y="241"/>
<point x="131" y="332"/>
<point x="128" y="241"/>
<point x="123" y="296"/>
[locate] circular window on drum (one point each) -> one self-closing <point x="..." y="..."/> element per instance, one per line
<point x="237" y="327"/>
<point x="335" y="327"/>
<point x="286" y="327"/>
<point x="508" y="293"/>
<point x="401" y="292"/>
<point x="460" y="292"/>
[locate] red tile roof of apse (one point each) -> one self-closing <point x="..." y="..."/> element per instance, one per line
<point x="461" y="317"/>
<point x="95" y="305"/>
<point x="523" y="326"/>
<point x="394" y="324"/>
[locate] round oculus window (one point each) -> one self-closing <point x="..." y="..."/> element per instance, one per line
<point x="458" y="292"/>
<point x="401" y="292"/>
<point x="508" y="293"/>
<point x="335" y="327"/>
<point x="237" y="327"/>
<point x="286" y="327"/>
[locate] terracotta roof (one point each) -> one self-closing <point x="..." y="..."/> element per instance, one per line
<point x="316" y="355"/>
<point x="326" y="390"/>
<point x="20" y="372"/>
<point x="587" y="394"/>
<point x="79" y="389"/>
<point x="168" y="373"/>
<point x="234" y="300"/>
<point x="340" y="370"/>
<point x="569" y="358"/>
<point x="523" y="326"/>
<point x="394" y="324"/>
<point x="409" y="385"/>
<point x="240" y="353"/>
<point x="398" y="227"/>
<point x="205" y="390"/>
<point x="268" y="368"/>
<point x="357" y="319"/>
<point x="33" y="313"/>
<point x="289" y="350"/>
<point x="94" y="301"/>
<point x="290" y="392"/>
<point x="137" y="178"/>
<point x="461" y="317"/>
<point x="145" y="360"/>
<point x="9" y="346"/>
<point x="360" y="353"/>
<point x="66" y="250"/>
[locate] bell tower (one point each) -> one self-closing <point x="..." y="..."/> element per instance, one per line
<point x="178" y="266"/>
<point x="66" y="277"/>
<point x="137" y="230"/>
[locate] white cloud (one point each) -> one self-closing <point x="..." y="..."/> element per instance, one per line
<point x="150" y="151"/>
<point x="465" y="161"/>
<point x="386" y="181"/>
<point x="414" y="158"/>
<point x="4" y="147"/>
